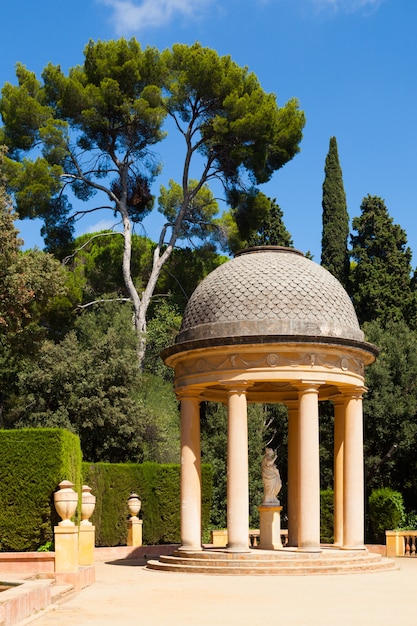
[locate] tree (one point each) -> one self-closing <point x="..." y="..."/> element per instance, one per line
<point x="89" y="384"/>
<point x="390" y="409"/>
<point x="93" y="130"/>
<point x="334" y="251"/>
<point x="381" y="282"/>
<point x="253" y="220"/>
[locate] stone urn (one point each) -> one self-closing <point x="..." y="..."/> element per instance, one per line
<point x="134" y="504"/>
<point x="88" y="504"/>
<point x="66" y="502"/>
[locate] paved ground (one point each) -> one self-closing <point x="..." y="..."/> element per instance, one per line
<point x="127" y="594"/>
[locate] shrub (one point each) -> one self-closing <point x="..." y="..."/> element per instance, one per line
<point x="32" y="464"/>
<point x="386" y="511"/>
<point x="326" y="516"/>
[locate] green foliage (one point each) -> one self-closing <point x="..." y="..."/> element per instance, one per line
<point x="334" y="253"/>
<point x="386" y="511"/>
<point x="253" y="220"/>
<point x="91" y="132"/>
<point x="89" y="383"/>
<point x="32" y="464"/>
<point x="326" y="516"/>
<point x="162" y="330"/>
<point x="201" y="208"/>
<point x="240" y="125"/>
<point x="326" y="434"/>
<point x="96" y="261"/>
<point x="158" y="487"/>
<point x="381" y="284"/>
<point x="390" y="409"/>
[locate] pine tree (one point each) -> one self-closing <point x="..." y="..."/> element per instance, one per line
<point x="334" y="254"/>
<point x="381" y="280"/>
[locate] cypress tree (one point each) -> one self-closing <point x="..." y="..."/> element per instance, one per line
<point x="334" y="252"/>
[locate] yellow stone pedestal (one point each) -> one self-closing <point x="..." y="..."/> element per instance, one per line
<point x="66" y="549"/>
<point x="134" y="532"/>
<point x="395" y="542"/>
<point x="270" y="527"/>
<point x="86" y="542"/>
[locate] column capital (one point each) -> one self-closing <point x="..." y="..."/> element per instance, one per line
<point x="184" y="393"/>
<point x="235" y="386"/>
<point x="309" y="385"/>
<point x="355" y="393"/>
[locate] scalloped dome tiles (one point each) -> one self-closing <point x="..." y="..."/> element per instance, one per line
<point x="269" y="292"/>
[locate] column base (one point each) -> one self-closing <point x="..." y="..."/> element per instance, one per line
<point x="190" y="549"/>
<point x="237" y="549"/>
<point x="358" y="548"/>
<point x="311" y="549"/>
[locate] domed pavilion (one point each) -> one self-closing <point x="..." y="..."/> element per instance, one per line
<point x="273" y="326"/>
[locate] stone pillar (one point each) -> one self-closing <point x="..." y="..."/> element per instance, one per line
<point x="308" y="468"/>
<point x="190" y="472"/>
<point x="66" y="549"/>
<point x="353" y="478"/>
<point x="134" y="532"/>
<point x="339" y="436"/>
<point x="237" y="470"/>
<point x="292" y="500"/>
<point x="86" y="542"/>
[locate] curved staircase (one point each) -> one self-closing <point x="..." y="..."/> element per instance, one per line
<point x="286" y="562"/>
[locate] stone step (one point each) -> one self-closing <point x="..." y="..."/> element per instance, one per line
<point x="272" y="563"/>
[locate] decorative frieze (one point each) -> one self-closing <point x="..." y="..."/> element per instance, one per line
<point x="270" y="360"/>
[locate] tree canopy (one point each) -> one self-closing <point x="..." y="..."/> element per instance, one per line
<point x="381" y="278"/>
<point x="253" y="220"/>
<point x="92" y="133"/>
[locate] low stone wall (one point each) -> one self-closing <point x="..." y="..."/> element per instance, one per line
<point x="27" y="562"/>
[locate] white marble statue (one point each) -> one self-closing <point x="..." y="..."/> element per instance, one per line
<point x="271" y="478"/>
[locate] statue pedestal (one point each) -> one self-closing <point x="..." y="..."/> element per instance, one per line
<point x="270" y="527"/>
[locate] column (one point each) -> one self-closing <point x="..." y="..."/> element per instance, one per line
<point x="237" y="470"/>
<point x="292" y="506"/>
<point x="308" y="468"/>
<point x="353" y="479"/>
<point x="339" y="436"/>
<point x="190" y="471"/>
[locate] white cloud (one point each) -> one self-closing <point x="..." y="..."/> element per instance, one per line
<point x="135" y="15"/>
<point x="103" y="224"/>
<point x="347" y="6"/>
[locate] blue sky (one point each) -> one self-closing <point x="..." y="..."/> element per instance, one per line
<point x="351" y="64"/>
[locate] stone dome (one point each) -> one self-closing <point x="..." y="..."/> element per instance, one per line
<point x="269" y="294"/>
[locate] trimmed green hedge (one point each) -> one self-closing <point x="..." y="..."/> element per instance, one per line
<point x="32" y="464"/>
<point x="34" y="461"/>
<point x="158" y="487"/>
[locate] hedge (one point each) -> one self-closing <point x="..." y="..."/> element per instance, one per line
<point x="34" y="461"/>
<point x="158" y="487"/>
<point x="32" y="464"/>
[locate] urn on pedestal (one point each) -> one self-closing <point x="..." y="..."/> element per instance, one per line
<point x="88" y="504"/>
<point x="66" y="501"/>
<point x="134" y="504"/>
